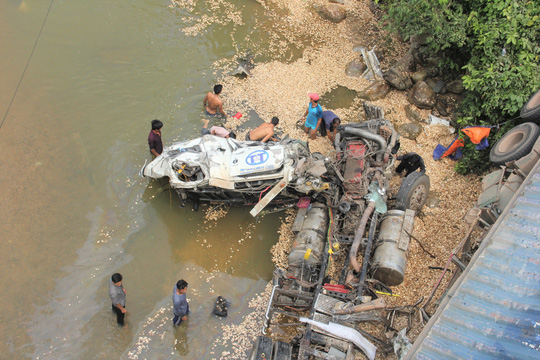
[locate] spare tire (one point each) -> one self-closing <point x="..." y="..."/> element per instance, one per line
<point x="531" y="110"/>
<point x="515" y="144"/>
<point x="413" y="192"/>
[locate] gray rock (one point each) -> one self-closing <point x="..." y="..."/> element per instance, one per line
<point x="399" y="79"/>
<point x="456" y="86"/>
<point x="355" y="68"/>
<point x="439" y="87"/>
<point x="341" y="2"/>
<point x="412" y="115"/>
<point x="420" y="75"/>
<point x="332" y="12"/>
<point x="410" y="131"/>
<point x="422" y="96"/>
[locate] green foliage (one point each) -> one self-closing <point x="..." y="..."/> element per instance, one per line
<point x="493" y="45"/>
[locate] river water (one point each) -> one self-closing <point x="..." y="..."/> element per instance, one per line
<point x="74" y="209"/>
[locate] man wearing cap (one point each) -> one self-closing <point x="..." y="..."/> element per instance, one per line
<point x="313" y="116"/>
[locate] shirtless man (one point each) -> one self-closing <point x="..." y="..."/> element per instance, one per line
<point x="264" y="132"/>
<point x="213" y="104"/>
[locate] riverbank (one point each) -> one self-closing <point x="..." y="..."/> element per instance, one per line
<point x="280" y="87"/>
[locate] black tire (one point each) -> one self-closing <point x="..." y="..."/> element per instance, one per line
<point x="515" y="144"/>
<point x="531" y="110"/>
<point x="413" y="192"/>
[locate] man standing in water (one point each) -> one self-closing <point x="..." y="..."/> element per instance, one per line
<point x="118" y="297"/>
<point x="180" y="304"/>
<point x="213" y="103"/>
<point x="264" y="132"/>
<point x="154" y="138"/>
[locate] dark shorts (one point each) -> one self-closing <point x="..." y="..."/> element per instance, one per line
<point x="205" y="131"/>
<point x="208" y="114"/>
<point x="247" y="137"/>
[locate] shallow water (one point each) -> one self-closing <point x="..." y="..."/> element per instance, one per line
<point x="74" y="209"/>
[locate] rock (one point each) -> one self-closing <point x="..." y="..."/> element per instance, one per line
<point x="422" y="96"/>
<point x="332" y="12"/>
<point x="439" y="87"/>
<point x="456" y="86"/>
<point x="355" y="68"/>
<point x="420" y="75"/>
<point x="410" y="131"/>
<point x="420" y="38"/>
<point x="376" y="91"/>
<point x="407" y="62"/>
<point x="441" y="108"/>
<point x="399" y="79"/>
<point x="221" y="307"/>
<point x="433" y="200"/>
<point x="341" y="2"/>
<point x="412" y="115"/>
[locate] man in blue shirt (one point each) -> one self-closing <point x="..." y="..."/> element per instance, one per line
<point x="313" y="116"/>
<point x="331" y="122"/>
<point x="180" y="304"/>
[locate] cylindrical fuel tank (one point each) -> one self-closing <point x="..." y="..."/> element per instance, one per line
<point x="311" y="238"/>
<point x="390" y="259"/>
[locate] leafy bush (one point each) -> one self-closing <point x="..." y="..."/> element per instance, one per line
<point x="493" y="44"/>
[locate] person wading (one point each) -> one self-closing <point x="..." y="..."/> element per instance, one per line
<point x="154" y="138"/>
<point x="118" y="297"/>
<point x="213" y="104"/>
<point x="180" y="304"/>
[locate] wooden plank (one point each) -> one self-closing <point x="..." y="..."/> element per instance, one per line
<point x="299" y="221"/>
<point x="406" y="229"/>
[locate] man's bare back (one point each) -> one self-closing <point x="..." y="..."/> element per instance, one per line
<point x="212" y="102"/>
<point x="264" y="132"/>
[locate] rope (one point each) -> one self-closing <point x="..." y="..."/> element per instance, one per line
<point x="27" y="63"/>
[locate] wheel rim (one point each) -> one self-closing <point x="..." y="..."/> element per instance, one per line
<point x="510" y="142"/>
<point x="418" y="198"/>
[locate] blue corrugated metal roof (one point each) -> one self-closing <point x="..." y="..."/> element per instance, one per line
<point x="493" y="310"/>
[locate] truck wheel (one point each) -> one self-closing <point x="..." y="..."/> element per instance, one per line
<point x="515" y="144"/>
<point x="531" y="110"/>
<point x="413" y="192"/>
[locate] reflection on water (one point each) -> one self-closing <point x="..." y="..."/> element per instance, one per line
<point x="74" y="209"/>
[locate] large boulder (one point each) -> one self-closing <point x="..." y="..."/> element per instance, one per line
<point x="398" y="78"/>
<point x="422" y="96"/>
<point x="355" y="68"/>
<point x="410" y="131"/>
<point x="376" y="91"/>
<point x="456" y="86"/>
<point x="412" y="114"/>
<point x="332" y="12"/>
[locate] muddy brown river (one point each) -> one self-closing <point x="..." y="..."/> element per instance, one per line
<point x="81" y="81"/>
